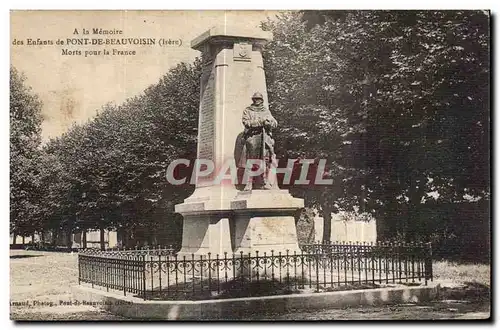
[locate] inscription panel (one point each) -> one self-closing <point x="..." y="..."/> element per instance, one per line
<point x="206" y="137"/>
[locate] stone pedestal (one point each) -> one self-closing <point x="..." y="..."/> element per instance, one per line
<point x="264" y="221"/>
<point x="205" y="232"/>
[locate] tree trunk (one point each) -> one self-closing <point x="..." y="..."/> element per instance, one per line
<point x="23" y="240"/>
<point x="327" y="224"/>
<point x="55" y="233"/>
<point x="84" y="238"/>
<point x="386" y="226"/>
<point x="120" y="238"/>
<point x="103" y="244"/>
<point x="69" y="239"/>
<point x="33" y="238"/>
<point x="414" y="226"/>
<point x="14" y="239"/>
<point x="310" y="237"/>
<point x="42" y="236"/>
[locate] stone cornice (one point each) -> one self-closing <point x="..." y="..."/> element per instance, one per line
<point x="230" y="35"/>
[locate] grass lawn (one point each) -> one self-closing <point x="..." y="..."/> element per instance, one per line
<point x="465" y="294"/>
<point x="40" y="281"/>
<point x="462" y="273"/>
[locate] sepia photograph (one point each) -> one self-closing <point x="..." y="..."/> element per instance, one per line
<point x="250" y="165"/>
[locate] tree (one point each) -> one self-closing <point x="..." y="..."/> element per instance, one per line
<point x="303" y="93"/>
<point x="115" y="164"/>
<point x="396" y="101"/>
<point x="25" y="129"/>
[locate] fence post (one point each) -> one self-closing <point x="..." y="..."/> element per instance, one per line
<point x="106" y="274"/>
<point x="316" y="258"/>
<point x="193" y="274"/>
<point x="428" y="263"/>
<point x="344" y="252"/>
<point x="413" y="249"/>
<point x="372" y="252"/>
<point x="272" y="265"/>
<point x="256" y="266"/>
<point x="218" y="270"/>
<point x="210" y="273"/>
<point x="392" y="262"/>
<point x="386" y="261"/>
<point x="287" y="269"/>
<point x="242" y="270"/>
<point x="124" y="263"/>
<point x="79" y="268"/>
<point x="201" y="273"/>
<point x="144" y="276"/>
<point x="159" y="271"/>
<point x="280" y="265"/>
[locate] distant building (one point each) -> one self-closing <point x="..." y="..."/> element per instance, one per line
<point x="353" y="230"/>
<point x="90" y="239"/>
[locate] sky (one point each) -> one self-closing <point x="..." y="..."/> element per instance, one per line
<point x="73" y="87"/>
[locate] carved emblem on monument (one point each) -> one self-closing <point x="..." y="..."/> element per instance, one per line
<point x="242" y="52"/>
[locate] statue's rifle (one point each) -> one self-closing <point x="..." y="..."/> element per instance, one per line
<point x="263" y="144"/>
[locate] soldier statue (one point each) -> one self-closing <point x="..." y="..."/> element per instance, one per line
<point x="258" y="142"/>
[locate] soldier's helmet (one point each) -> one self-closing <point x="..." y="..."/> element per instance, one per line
<point x="257" y="95"/>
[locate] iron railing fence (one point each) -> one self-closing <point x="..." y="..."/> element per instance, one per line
<point x="318" y="267"/>
<point x="130" y="253"/>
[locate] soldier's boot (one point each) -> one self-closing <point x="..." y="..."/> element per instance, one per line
<point x="268" y="184"/>
<point x="248" y="186"/>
